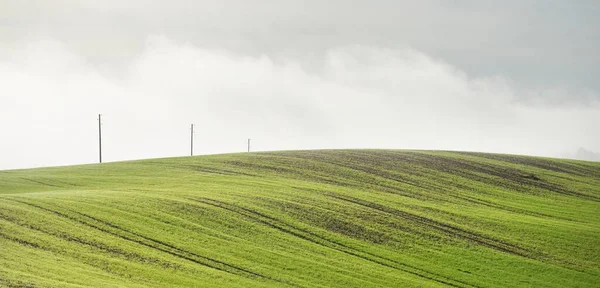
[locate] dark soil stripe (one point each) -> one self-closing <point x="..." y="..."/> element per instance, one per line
<point x="319" y="240"/>
<point x="156" y="244"/>
<point x="447" y="229"/>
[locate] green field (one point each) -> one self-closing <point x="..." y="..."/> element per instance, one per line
<point x="346" y="218"/>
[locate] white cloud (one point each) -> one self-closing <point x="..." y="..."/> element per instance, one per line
<point x="364" y="97"/>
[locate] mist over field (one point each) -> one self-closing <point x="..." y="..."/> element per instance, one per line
<point x="361" y="97"/>
<point x="331" y="84"/>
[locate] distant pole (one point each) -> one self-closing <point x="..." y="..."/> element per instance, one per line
<point x="100" y="136"/>
<point x="248" y="145"/>
<point x="192" y="141"/>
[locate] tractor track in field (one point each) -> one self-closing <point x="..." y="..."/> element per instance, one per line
<point x="490" y="204"/>
<point x="466" y="198"/>
<point x="225" y="172"/>
<point x="133" y="257"/>
<point x="570" y="168"/>
<point x="40" y="182"/>
<point x="509" y="178"/>
<point x="328" y="220"/>
<point x="450" y="231"/>
<point x="129" y="256"/>
<point x="157" y="244"/>
<point x="19" y="240"/>
<point x="516" y="180"/>
<point x="16" y="284"/>
<point x="322" y="241"/>
<point x="371" y="183"/>
<point x="290" y="172"/>
<point x="444" y="228"/>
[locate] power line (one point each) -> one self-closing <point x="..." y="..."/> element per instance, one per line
<point x="192" y="141"/>
<point x="100" y="137"/>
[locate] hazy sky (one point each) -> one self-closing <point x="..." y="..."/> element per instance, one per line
<point x="498" y="76"/>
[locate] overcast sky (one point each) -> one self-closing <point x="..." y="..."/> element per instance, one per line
<point x="496" y="76"/>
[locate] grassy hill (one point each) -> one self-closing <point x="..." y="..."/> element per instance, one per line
<point x="348" y="218"/>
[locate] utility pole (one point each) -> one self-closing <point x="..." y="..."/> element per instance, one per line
<point x="248" y="145"/>
<point x="192" y="141"/>
<point x="100" y="136"/>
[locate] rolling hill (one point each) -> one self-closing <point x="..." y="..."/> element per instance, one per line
<point x="331" y="218"/>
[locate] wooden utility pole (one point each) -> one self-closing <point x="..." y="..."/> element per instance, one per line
<point x="192" y="141"/>
<point x="248" y="145"/>
<point x="100" y="136"/>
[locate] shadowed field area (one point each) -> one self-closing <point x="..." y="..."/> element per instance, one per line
<point x="338" y="218"/>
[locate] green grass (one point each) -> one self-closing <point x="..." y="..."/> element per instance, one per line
<point x="347" y="218"/>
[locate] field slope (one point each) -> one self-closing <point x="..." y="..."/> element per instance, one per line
<point x="346" y="218"/>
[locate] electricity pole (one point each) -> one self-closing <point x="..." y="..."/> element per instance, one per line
<point x="100" y="136"/>
<point x="192" y="141"/>
<point x="248" y="145"/>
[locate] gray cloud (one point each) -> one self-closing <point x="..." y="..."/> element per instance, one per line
<point x="537" y="43"/>
<point x="360" y="96"/>
<point x="509" y="76"/>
